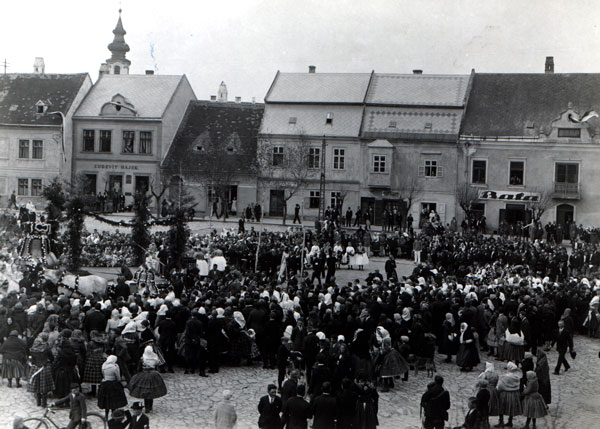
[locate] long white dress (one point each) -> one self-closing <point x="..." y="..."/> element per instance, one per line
<point x="352" y="260"/>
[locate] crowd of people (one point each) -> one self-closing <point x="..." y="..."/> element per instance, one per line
<point x="338" y="345"/>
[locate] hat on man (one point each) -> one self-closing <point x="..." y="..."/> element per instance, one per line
<point x="137" y="406"/>
<point x="118" y="414"/>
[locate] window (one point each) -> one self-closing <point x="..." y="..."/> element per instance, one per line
<point x="314" y="157"/>
<point x="393" y="124"/>
<point x="329" y="118"/>
<point x="378" y="163"/>
<point x="146" y="142"/>
<point x="338" y="159"/>
<point x="431" y="168"/>
<point x="40" y="108"/>
<point x="88" y="140"/>
<point x="428" y="126"/>
<point x="38" y="149"/>
<point x="90" y="184"/>
<point x="478" y="210"/>
<point x="23" y="187"/>
<point x="479" y="171"/>
<point x="336" y="199"/>
<point x="105" y="140"/>
<point x="278" y="156"/>
<point x="292" y="120"/>
<point x="569" y="132"/>
<point x="314" y="199"/>
<point x="117" y="70"/>
<point x="516" y="173"/>
<point x="567" y="173"/>
<point x="24" y="149"/>
<point x="128" y="140"/>
<point x="36" y="187"/>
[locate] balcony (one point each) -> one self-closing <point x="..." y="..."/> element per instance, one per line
<point x="380" y="180"/>
<point x="566" y="191"/>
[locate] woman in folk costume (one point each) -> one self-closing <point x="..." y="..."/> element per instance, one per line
<point x="592" y="321"/>
<point x="362" y="258"/>
<point x="448" y="344"/>
<point x="65" y="365"/>
<point x="350" y="255"/>
<point x="283" y="266"/>
<point x="492" y="378"/>
<point x="42" y="381"/>
<point x="389" y="363"/>
<point x="111" y="394"/>
<point x="542" y="370"/>
<point x="468" y="355"/>
<point x="148" y="383"/>
<point x="514" y="347"/>
<point x="240" y="342"/>
<point x="508" y="391"/>
<point x="112" y="325"/>
<point x="94" y="359"/>
<point x="14" y="356"/>
<point x="501" y="327"/>
<point x="534" y="406"/>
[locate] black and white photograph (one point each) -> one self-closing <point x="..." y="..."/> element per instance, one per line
<point x="300" y="214"/>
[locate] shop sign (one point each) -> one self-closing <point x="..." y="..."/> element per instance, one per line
<point x="115" y="167"/>
<point x="509" y="196"/>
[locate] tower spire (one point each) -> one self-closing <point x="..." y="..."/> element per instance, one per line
<point x="117" y="63"/>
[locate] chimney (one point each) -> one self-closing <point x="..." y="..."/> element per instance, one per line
<point x="312" y="69"/>
<point x="549" y="67"/>
<point x="238" y="99"/>
<point x="213" y="98"/>
<point x="149" y="72"/>
<point x="417" y="71"/>
<point x="39" y="66"/>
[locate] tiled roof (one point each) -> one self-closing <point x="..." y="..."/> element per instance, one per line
<point x="214" y="123"/>
<point x="319" y="88"/>
<point x="311" y="120"/>
<point x="415" y="90"/>
<point x="149" y="94"/>
<point x="506" y="104"/>
<point x="19" y="93"/>
<point x="393" y="122"/>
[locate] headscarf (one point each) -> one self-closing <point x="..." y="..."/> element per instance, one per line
<point x="115" y="315"/>
<point x="531" y="376"/>
<point x="512" y="367"/>
<point x="109" y="363"/>
<point x="566" y="314"/>
<point x="239" y="318"/>
<point x="406" y="314"/>
<point x="381" y="333"/>
<point x="149" y="358"/>
<point x="450" y="318"/>
<point x="130" y="327"/>
<point x="40" y="344"/>
<point x="220" y="313"/>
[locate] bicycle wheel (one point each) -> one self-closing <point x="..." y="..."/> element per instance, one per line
<point x="96" y="421"/>
<point x="35" y="423"/>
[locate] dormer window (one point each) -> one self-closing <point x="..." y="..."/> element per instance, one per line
<point x="40" y="107"/>
<point x="199" y="148"/>
<point x="569" y="132"/>
<point x="329" y="118"/>
<point x="292" y="120"/>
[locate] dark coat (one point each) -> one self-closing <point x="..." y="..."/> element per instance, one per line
<point x="269" y="413"/>
<point x="324" y="410"/>
<point x="564" y="341"/>
<point x="141" y="424"/>
<point x="78" y="407"/>
<point x="346" y="407"/>
<point x="296" y="412"/>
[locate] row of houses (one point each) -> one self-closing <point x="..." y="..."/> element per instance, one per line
<point x="503" y="143"/>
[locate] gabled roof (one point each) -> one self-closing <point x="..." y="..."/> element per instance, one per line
<point x="150" y="94"/>
<point x="330" y="88"/>
<point x="418" y="89"/>
<point x="19" y="93"/>
<point x="214" y="123"/>
<point x="508" y="104"/>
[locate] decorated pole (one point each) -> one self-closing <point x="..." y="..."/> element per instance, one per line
<point x="257" y="249"/>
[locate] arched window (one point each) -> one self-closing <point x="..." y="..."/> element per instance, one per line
<point x="117" y="70"/>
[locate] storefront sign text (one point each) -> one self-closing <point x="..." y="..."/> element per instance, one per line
<point x="115" y="167"/>
<point x="509" y="196"/>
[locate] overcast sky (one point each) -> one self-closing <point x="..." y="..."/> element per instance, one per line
<point x="245" y="42"/>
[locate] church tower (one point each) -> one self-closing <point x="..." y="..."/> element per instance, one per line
<point x="117" y="63"/>
<point x="222" y="93"/>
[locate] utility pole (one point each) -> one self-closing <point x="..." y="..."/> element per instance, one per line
<point x="5" y="65"/>
<point x="322" y="181"/>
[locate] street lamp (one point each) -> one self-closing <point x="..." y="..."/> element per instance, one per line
<point x="63" y="123"/>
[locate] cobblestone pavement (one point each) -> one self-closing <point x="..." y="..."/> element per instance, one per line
<point x="191" y="399"/>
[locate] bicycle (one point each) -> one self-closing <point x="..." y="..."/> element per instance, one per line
<point x="94" y="420"/>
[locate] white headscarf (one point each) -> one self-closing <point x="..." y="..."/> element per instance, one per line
<point x="131" y="327"/>
<point x="109" y="363"/>
<point x="149" y="358"/>
<point x="239" y="318"/>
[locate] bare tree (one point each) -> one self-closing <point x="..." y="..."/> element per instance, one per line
<point x="467" y="196"/>
<point x="285" y="165"/>
<point x="539" y="205"/>
<point x="410" y="189"/>
<point x="157" y="191"/>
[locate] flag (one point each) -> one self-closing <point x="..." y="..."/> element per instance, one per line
<point x="574" y="118"/>
<point x="589" y="115"/>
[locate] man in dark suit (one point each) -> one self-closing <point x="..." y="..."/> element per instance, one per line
<point x="78" y="408"/>
<point x="564" y="342"/>
<point x="296" y="410"/>
<point x="95" y="320"/>
<point x="269" y="408"/>
<point x="138" y="419"/>
<point x="324" y="409"/>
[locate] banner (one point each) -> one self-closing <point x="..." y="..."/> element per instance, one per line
<point x="527" y="197"/>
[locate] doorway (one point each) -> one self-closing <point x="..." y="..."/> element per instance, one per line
<point x="565" y="215"/>
<point x="276" y="202"/>
<point x="142" y="184"/>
